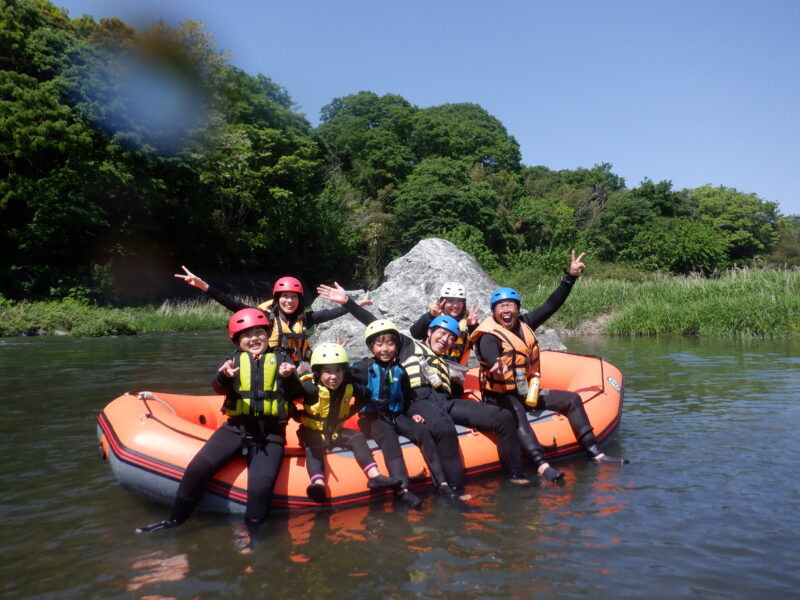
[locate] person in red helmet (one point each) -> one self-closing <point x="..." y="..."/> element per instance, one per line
<point x="286" y="308"/>
<point x="258" y="385"/>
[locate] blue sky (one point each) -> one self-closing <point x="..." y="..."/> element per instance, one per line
<point x="696" y="92"/>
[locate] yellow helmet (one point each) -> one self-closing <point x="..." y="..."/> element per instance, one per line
<point x="378" y="327"/>
<point x="329" y="354"/>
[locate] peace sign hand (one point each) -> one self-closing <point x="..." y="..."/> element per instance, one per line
<point x="473" y="316"/>
<point x="192" y="279"/>
<point x="576" y="267"/>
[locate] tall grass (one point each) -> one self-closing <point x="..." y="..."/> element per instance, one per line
<point x="62" y="316"/>
<point x="81" y="319"/>
<point x="184" y="315"/>
<point x="740" y="303"/>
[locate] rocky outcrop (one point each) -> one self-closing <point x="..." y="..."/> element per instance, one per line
<point x="411" y="283"/>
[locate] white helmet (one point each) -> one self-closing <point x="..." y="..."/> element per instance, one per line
<point x="452" y="289"/>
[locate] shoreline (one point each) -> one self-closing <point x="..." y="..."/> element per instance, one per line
<point x="738" y="304"/>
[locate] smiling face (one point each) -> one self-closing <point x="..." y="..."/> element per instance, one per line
<point x="506" y="313"/>
<point x="440" y="340"/>
<point x="453" y="307"/>
<point x="384" y="347"/>
<point x="288" y="302"/>
<point x="253" y="340"/>
<point x="331" y="376"/>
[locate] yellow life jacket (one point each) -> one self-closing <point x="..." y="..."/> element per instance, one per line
<point x="292" y="338"/>
<point x="459" y="352"/>
<point x="256" y="390"/>
<point x="435" y="362"/>
<point x="518" y="353"/>
<point x="328" y="413"/>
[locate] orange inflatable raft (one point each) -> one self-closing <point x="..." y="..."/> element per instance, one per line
<point x="149" y="438"/>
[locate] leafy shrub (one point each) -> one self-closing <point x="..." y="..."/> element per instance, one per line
<point x="471" y="240"/>
<point x="69" y="315"/>
<point x="679" y="246"/>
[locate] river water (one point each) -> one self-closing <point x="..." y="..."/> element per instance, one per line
<point x="708" y="507"/>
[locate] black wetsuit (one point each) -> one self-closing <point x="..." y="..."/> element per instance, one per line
<point x="384" y="427"/>
<point x="261" y="439"/>
<point x="569" y="404"/>
<point x="441" y="412"/>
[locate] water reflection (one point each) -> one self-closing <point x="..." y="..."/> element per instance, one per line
<point x="156" y="567"/>
<point x="706" y="508"/>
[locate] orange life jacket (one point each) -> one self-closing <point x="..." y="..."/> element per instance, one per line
<point x="519" y="353"/>
<point x="291" y="338"/>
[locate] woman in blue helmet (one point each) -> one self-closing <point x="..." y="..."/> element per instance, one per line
<point x="508" y="353"/>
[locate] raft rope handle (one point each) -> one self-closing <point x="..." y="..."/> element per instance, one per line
<point x="145" y="396"/>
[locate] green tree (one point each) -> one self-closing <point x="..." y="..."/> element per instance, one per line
<point x="94" y="187"/>
<point x="586" y="191"/>
<point x="665" y="201"/>
<point x="787" y="248"/>
<point x="365" y="138"/>
<point x="544" y="223"/>
<point x="43" y="150"/>
<point x="258" y="185"/>
<point x="624" y="216"/>
<point x="748" y="223"/>
<point x="467" y="132"/>
<point x="439" y="196"/>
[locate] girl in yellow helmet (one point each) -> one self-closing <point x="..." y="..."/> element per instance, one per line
<point x="326" y="406"/>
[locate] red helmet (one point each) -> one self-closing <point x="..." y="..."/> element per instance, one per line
<point x="247" y="317"/>
<point x="287" y="284"/>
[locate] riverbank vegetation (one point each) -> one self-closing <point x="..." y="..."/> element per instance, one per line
<point x="741" y="303"/>
<point x="127" y="153"/>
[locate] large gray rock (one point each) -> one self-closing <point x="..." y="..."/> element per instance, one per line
<point x="411" y="284"/>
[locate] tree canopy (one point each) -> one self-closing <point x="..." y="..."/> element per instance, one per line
<point x="126" y="153"/>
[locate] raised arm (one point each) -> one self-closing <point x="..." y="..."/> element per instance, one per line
<point x="546" y="310"/>
<point x="193" y="280"/>
<point x="337" y="294"/>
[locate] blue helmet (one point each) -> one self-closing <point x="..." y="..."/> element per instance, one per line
<point x="504" y="293"/>
<point x="445" y="322"/>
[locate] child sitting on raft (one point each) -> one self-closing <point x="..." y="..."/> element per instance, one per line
<point x="326" y="406"/>
<point x="387" y="414"/>
<point x="438" y="402"/>
<point x="452" y="302"/>
<point x="257" y="408"/>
